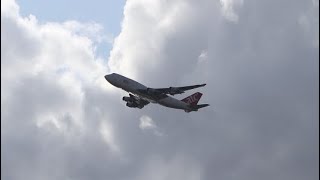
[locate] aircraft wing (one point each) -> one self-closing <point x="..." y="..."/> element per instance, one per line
<point x="176" y="90"/>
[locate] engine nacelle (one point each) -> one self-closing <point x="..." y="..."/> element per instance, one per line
<point x="127" y="99"/>
<point x="131" y="104"/>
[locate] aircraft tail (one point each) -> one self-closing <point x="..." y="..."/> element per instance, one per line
<point x="201" y="106"/>
<point x="193" y="102"/>
<point x="193" y="99"/>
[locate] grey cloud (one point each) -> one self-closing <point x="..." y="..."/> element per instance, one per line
<point x="262" y="84"/>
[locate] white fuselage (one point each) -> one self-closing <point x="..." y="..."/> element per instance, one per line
<point x="132" y="86"/>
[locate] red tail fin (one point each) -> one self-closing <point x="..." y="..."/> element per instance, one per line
<point x="193" y="99"/>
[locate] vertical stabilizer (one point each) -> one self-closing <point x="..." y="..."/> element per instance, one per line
<point x="193" y="99"/>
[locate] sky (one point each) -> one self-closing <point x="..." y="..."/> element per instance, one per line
<point x="60" y="119"/>
<point x="107" y="13"/>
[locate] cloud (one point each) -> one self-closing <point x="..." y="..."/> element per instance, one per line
<point x="146" y="123"/>
<point x="179" y="167"/>
<point x="144" y="39"/>
<point x="92" y="30"/>
<point x="229" y="7"/>
<point x="309" y="22"/>
<point x="48" y="71"/>
<point x="9" y="8"/>
<point x="107" y="134"/>
<point x="61" y="120"/>
<point x="203" y="56"/>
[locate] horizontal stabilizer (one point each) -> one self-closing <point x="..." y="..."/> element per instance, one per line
<point x="202" y="106"/>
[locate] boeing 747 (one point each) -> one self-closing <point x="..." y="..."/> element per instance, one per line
<point x="140" y="95"/>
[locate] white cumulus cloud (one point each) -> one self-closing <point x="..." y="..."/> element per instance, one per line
<point x="60" y="119"/>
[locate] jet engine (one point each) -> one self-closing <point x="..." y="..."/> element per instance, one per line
<point x="127" y="99"/>
<point x="133" y="101"/>
<point x="131" y="104"/>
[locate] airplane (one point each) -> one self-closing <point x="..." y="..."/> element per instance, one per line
<point x="140" y="95"/>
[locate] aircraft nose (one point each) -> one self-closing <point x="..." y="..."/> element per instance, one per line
<point x="110" y="79"/>
<point x="107" y="77"/>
